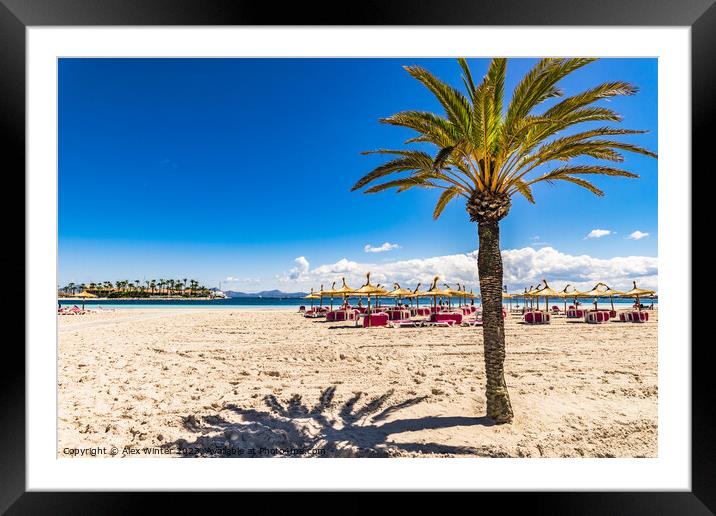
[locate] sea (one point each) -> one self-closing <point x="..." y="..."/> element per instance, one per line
<point x="265" y="302"/>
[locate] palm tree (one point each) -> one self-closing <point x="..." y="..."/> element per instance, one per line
<point x="184" y="284"/>
<point x="486" y="154"/>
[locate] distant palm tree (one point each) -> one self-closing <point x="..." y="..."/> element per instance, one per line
<point x="153" y="285"/>
<point x="485" y="154"/>
<point x="184" y="283"/>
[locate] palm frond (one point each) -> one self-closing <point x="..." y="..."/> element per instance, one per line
<point x="539" y="84"/>
<point x="561" y="172"/>
<point x="496" y="78"/>
<point x="467" y="77"/>
<point x="442" y="157"/>
<point x="409" y="160"/>
<point x="583" y="183"/>
<point x="431" y="127"/>
<point x="457" y="107"/>
<point x="525" y="190"/>
<point x="402" y="184"/>
<point x="602" y="91"/>
<point x="445" y="198"/>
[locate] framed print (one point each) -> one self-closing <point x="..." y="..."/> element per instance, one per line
<point x="507" y="309"/>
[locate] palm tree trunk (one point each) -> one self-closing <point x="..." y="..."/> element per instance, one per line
<point x="489" y="262"/>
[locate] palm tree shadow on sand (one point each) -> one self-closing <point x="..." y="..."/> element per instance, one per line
<point x="293" y="429"/>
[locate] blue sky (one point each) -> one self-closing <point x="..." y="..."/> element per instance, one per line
<point x="218" y="168"/>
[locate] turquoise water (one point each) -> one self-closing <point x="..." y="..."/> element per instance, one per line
<point x="287" y="303"/>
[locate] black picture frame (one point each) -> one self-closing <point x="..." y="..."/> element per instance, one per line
<point x="17" y="15"/>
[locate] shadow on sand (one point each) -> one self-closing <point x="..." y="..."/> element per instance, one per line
<point x="293" y="429"/>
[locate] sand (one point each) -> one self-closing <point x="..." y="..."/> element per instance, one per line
<point x="270" y="383"/>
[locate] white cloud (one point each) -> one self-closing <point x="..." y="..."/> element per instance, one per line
<point x="302" y="263"/>
<point x="386" y="246"/>
<point x="299" y="272"/>
<point x="522" y="267"/>
<point x="527" y="266"/>
<point x="637" y="235"/>
<point x="598" y="233"/>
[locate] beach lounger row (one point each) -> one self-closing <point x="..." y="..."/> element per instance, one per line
<point x="348" y="314"/>
<point x="635" y="317"/>
<point x="75" y="310"/>
<point x="536" y="317"/>
<point x="401" y="319"/>
<point x="397" y="317"/>
<point x="605" y="316"/>
<point x="319" y="311"/>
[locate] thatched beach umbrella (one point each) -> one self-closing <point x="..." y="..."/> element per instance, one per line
<point x="344" y="291"/>
<point x="435" y="292"/>
<point x="331" y="293"/>
<point x="378" y="294"/>
<point x="547" y="292"/>
<point x="637" y="293"/>
<point x="321" y="293"/>
<point x="563" y="294"/>
<point x="311" y="296"/>
<point x="416" y="294"/>
<point x="85" y="295"/>
<point x="465" y="294"/>
<point x="530" y="294"/>
<point x="450" y="293"/>
<point x="370" y="290"/>
<point x="398" y="292"/>
<point x="461" y="293"/>
<point x="598" y="292"/>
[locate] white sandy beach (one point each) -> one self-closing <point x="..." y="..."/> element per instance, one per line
<point x="215" y="382"/>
